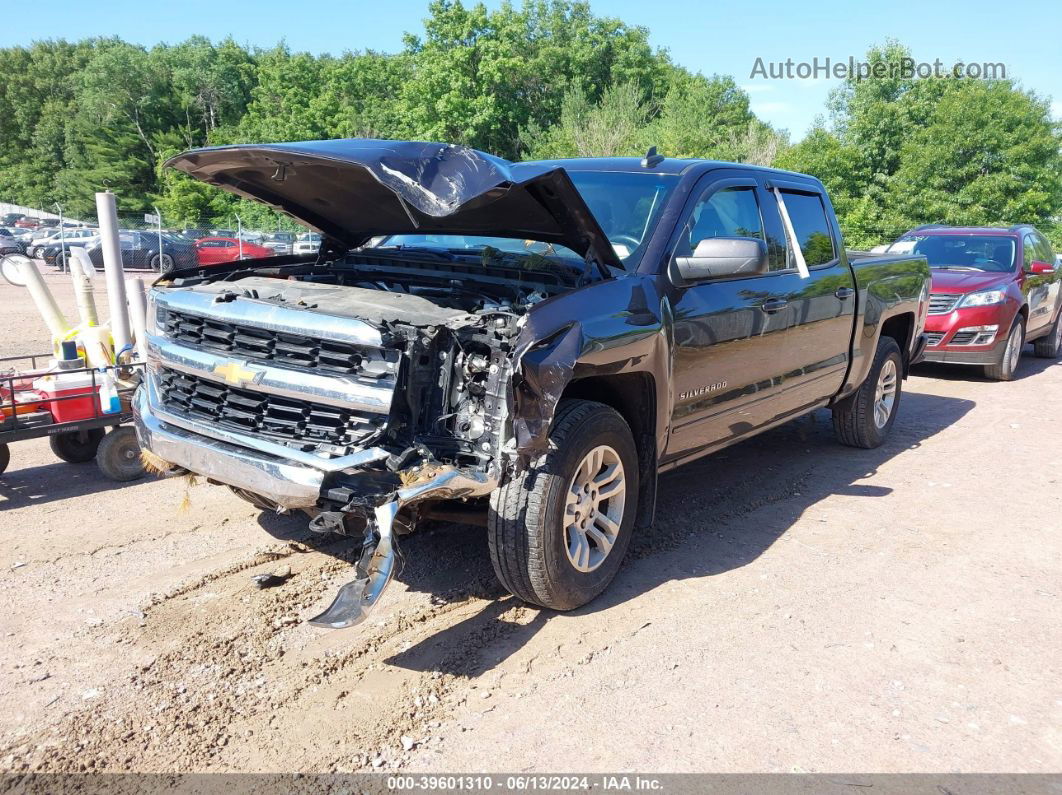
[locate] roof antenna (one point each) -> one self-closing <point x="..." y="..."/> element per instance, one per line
<point x="652" y="159"/>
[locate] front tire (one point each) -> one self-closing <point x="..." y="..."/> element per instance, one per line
<point x="865" y="418"/>
<point x="118" y="455"/>
<point x="559" y="530"/>
<point x="1004" y="369"/>
<point x="1050" y="346"/>
<point x="5" y="457"/>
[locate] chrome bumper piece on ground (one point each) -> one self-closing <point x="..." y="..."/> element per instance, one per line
<point x="295" y="482"/>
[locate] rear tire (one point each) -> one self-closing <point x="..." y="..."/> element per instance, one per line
<point x="118" y="456"/>
<point x="5" y="457"/>
<point x="72" y="448"/>
<point x="559" y="530"/>
<point x="162" y="263"/>
<point x="1048" y="347"/>
<point x="865" y="418"/>
<point x="1010" y="355"/>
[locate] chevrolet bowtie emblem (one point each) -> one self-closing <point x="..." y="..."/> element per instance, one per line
<point x="235" y="373"/>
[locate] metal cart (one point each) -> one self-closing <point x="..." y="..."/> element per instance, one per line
<point x="108" y="438"/>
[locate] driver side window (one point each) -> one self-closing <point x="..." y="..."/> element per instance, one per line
<point x="728" y="212"/>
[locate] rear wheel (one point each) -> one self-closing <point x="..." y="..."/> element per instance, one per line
<point x="163" y="263"/>
<point x="1010" y="355"/>
<point x="865" y="418"/>
<point x="76" y="447"/>
<point x="118" y="455"/>
<point x="5" y="457"/>
<point x="559" y="530"/>
<point x="1049" y="347"/>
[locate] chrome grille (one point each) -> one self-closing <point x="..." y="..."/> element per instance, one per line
<point x="261" y="413"/>
<point x="963" y="337"/>
<point x="942" y="303"/>
<point x="933" y="338"/>
<point x="279" y="348"/>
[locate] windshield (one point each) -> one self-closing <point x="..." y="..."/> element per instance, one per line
<point x="992" y="253"/>
<point x="626" y="206"/>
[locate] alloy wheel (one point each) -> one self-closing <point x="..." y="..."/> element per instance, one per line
<point x="885" y="394"/>
<point x="593" y="508"/>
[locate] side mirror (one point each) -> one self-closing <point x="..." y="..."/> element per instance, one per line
<point x="1041" y="268"/>
<point x="719" y="257"/>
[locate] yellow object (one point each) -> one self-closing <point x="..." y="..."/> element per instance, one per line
<point x="234" y="373"/>
<point x="43" y="298"/>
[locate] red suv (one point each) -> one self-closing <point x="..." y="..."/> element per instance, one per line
<point x="993" y="291"/>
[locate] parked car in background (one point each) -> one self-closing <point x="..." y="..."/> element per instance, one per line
<point x="307" y="243"/>
<point x="280" y="242"/>
<point x="216" y="250"/>
<point x="53" y="241"/>
<point x="9" y="245"/>
<point x="11" y="218"/>
<point x="993" y="290"/>
<point x="28" y="222"/>
<point x="140" y="250"/>
<point x="56" y="252"/>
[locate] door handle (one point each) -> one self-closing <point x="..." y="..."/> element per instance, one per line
<point x="844" y="293"/>
<point x="773" y="305"/>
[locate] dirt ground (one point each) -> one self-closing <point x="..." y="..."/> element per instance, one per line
<point x="799" y="606"/>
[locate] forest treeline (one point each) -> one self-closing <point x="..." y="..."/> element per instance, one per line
<point x="545" y="79"/>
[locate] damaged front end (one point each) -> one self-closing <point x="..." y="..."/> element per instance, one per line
<point x="354" y="416"/>
<point x="360" y="385"/>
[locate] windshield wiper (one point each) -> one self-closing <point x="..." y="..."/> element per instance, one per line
<point x="956" y="268"/>
<point x="441" y="253"/>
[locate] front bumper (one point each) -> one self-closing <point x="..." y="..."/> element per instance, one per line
<point x="285" y="483"/>
<point x="955" y="355"/>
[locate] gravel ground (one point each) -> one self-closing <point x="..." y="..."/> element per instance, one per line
<point x="799" y="606"/>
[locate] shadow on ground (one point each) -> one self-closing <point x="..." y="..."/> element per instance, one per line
<point x="40" y="485"/>
<point x="699" y="509"/>
<point x="1029" y="367"/>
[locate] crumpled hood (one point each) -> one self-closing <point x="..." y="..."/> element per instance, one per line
<point x="356" y="189"/>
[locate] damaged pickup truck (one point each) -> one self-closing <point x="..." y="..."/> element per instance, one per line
<point x="527" y="344"/>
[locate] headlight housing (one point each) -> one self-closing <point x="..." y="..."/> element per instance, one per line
<point x="983" y="298"/>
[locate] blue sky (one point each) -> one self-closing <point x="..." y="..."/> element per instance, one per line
<point x="709" y="37"/>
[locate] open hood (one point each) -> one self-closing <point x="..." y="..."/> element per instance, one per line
<point x="356" y="189"/>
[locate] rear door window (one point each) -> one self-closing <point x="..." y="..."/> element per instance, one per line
<point x="808" y="216"/>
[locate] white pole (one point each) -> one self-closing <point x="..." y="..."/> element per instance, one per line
<point x="158" y="216"/>
<point x="239" y="234"/>
<point x="44" y="300"/>
<point x="62" y="238"/>
<point x="86" y="303"/>
<point x="138" y="316"/>
<point x="111" y="246"/>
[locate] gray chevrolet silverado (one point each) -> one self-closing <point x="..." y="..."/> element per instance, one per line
<point x="527" y="345"/>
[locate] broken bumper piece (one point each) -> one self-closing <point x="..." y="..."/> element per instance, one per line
<point x="297" y="484"/>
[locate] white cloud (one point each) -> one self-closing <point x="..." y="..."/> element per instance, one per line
<point x="1056" y="109"/>
<point x="757" y="88"/>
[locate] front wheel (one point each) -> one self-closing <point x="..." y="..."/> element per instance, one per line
<point x="5" y="457"/>
<point x="1007" y="364"/>
<point x="559" y="530"/>
<point x="118" y="455"/>
<point x="865" y="418"/>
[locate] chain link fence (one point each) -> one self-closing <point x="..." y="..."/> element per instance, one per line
<point x="151" y="242"/>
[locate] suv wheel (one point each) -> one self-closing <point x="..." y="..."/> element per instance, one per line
<point x="1048" y="347"/>
<point x="1009" y="355"/>
<point x="865" y="418"/>
<point x="559" y="530"/>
